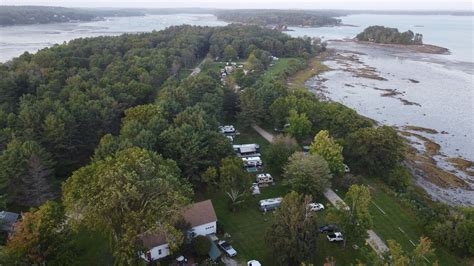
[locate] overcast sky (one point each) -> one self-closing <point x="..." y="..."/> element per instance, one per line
<point x="465" y="5"/>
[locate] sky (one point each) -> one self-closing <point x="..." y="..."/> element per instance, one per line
<point x="465" y="5"/>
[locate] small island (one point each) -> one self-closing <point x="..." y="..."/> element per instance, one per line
<point x="392" y="37"/>
<point x="280" y="19"/>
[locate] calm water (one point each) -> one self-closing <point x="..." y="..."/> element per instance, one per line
<point x="452" y="32"/>
<point x="15" y="40"/>
<point x="444" y="94"/>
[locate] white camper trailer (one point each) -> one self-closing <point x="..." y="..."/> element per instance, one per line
<point x="269" y="204"/>
<point x="264" y="179"/>
<point x="252" y="161"/>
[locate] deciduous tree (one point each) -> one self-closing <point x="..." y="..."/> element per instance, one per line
<point x="307" y="174"/>
<point x="132" y="193"/>
<point x="293" y="233"/>
<point x="299" y="127"/>
<point x="327" y="148"/>
<point x="353" y="217"/>
<point x="234" y="180"/>
<point x="278" y="152"/>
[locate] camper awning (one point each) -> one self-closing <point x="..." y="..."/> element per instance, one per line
<point x="214" y="252"/>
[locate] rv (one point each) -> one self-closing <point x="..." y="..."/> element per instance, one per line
<point x="269" y="204"/>
<point x="247" y="150"/>
<point x="264" y="179"/>
<point x="252" y="161"/>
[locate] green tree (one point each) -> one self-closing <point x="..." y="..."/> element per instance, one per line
<point x="251" y="106"/>
<point x="234" y="181"/>
<point x="299" y="127"/>
<point x="307" y="174"/>
<point x="201" y="245"/>
<point x="327" y="148"/>
<point x="353" y="217"/>
<point x="29" y="170"/>
<point x="423" y="254"/>
<point x="376" y="151"/>
<point x="293" y="233"/>
<point x="41" y="237"/>
<point x="230" y="53"/>
<point x="132" y="193"/>
<point x="278" y="152"/>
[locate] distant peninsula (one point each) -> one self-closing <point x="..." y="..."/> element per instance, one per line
<point x="281" y="19"/>
<point x="27" y="15"/>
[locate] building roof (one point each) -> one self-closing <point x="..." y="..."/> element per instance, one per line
<point x="200" y="213"/>
<point x="197" y="214"/>
<point x="7" y="219"/>
<point x="151" y="241"/>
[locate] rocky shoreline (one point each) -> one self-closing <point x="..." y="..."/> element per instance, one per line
<point x="448" y="179"/>
<point x="415" y="48"/>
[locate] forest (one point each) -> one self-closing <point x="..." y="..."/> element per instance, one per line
<point x="381" y="34"/>
<point x="24" y="15"/>
<point x="306" y="18"/>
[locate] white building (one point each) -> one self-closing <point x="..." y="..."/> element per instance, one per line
<point x="203" y="220"/>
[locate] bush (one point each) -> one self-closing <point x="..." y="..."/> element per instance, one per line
<point x="201" y="245"/>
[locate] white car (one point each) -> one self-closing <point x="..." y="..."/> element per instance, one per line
<point x="253" y="263"/>
<point x="227" y="248"/>
<point x="255" y="189"/>
<point x="335" y="237"/>
<point x="227" y="129"/>
<point x="346" y="169"/>
<point x="315" y="207"/>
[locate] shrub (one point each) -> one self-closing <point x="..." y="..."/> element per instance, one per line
<point x="201" y="245"/>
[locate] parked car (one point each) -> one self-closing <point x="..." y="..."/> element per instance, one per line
<point x="181" y="260"/>
<point x="253" y="263"/>
<point x="315" y="207"/>
<point x="227" y="129"/>
<point x="328" y="228"/>
<point x="335" y="237"/>
<point x="346" y="169"/>
<point x="228" y="249"/>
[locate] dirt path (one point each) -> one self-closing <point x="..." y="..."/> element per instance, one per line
<point x="377" y="244"/>
<point x="265" y="134"/>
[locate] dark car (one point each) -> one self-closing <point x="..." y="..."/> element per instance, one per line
<point x="329" y="228"/>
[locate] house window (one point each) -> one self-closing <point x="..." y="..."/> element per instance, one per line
<point x="159" y="251"/>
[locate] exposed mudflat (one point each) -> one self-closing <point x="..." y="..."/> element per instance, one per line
<point x="428" y="100"/>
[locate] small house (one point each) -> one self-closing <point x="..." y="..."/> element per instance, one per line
<point x="203" y="220"/>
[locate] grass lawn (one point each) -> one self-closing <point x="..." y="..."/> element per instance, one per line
<point x="314" y="68"/>
<point x="247" y="228"/>
<point x="393" y="221"/>
<point x="277" y="69"/>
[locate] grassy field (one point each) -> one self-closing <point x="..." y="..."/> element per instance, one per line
<point x="314" y="68"/>
<point x="393" y="221"/>
<point x="277" y="69"/>
<point x="247" y="226"/>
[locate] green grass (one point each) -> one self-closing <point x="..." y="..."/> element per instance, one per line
<point x="248" y="136"/>
<point x="394" y="217"/>
<point x="277" y="69"/>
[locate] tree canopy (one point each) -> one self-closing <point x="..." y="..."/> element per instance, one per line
<point x="131" y="193"/>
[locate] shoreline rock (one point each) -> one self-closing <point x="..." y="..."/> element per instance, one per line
<point x="415" y="48"/>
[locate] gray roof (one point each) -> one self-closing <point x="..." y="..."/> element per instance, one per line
<point x="7" y="219"/>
